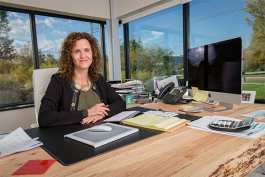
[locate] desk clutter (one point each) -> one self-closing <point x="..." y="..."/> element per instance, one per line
<point x="158" y="120"/>
<point x="35" y="167"/>
<point x="129" y="89"/>
<point x="254" y="131"/>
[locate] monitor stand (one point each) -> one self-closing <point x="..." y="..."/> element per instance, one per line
<point x="228" y="106"/>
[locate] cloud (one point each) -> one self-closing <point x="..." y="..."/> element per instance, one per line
<point x="155" y="35"/>
<point x="49" y="21"/>
<point x="15" y="14"/>
<point x="46" y="45"/>
<point x="19" y="44"/>
<point x="19" y="28"/>
<point x="59" y="33"/>
<point x="59" y="41"/>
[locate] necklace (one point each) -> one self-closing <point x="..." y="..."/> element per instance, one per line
<point x="83" y="88"/>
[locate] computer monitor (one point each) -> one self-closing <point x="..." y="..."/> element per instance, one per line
<point x="217" y="68"/>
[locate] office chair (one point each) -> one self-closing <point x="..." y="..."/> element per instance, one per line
<point x="41" y="79"/>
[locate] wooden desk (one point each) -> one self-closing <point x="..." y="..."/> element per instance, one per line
<point x="185" y="152"/>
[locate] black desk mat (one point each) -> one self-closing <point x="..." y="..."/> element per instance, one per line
<point x="69" y="152"/>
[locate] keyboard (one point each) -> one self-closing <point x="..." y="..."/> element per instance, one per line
<point x="121" y="116"/>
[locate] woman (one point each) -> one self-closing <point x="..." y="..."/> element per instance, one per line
<point x="78" y="93"/>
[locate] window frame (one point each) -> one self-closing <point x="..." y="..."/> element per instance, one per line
<point x="35" y="56"/>
<point x="186" y="45"/>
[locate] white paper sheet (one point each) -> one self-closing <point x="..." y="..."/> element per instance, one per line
<point x="260" y="114"/>
<point x="17" y="141"/>
<point x="162" y="113"/>
<point x="202" y="124"/>
<point x="4" y="134"/>
<point x="164" y="82"/>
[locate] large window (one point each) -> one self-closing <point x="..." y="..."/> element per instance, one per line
<point x="16" y="54"/>
<point x="16" y="62"/>
<point x="51" y="31"/>
<point x="156" y="46"/>
<point x="215" y="20"/>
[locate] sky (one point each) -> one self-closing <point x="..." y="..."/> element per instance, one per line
<point x="51" y="31"/>
<point x="211" y="21"/>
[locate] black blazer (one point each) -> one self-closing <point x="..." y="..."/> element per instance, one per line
<point x="60" y="102"/>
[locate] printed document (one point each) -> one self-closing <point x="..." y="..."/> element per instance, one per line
<point x="260" y="114"/>
<point x="164" y="82"/>
<point x="17" y="141"/>
<point x="255" y="131"/>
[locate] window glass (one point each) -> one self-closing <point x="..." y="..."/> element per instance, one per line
<point x="16" y="63"/>
<point x="156" y="46"/>
<point x="51" y="32"/>
<point x="217" y="20"/>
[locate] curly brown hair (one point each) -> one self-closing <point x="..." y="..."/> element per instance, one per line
<point x="66" y="64"/>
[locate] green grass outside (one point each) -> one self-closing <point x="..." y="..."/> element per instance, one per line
<point x="255" y="82"/>
<point x="253" y="75"/>
<point x="260" y="89"/>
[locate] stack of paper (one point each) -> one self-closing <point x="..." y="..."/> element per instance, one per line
<point x="199" y="95"/>
<point x="156" y="122"/>
<point x="255" y="131"/>
<point x="162" y="113"/>
<point x="260" y="114"/>
<point x="17" y="141"/>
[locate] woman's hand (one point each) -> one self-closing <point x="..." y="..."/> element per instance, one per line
<point x="92" y="119"/>
<point x="98" y="109"/>
<point x="96" y="113"/>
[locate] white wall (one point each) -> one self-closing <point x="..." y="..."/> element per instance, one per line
<point x="125" y="7"/>
<point x="11" y="120"/>
<point x="92" y="9"/>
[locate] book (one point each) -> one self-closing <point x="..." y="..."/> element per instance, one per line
<point x="97" y="139"/>
<point x="161" y="123"/>
<point x="121" y="116"/>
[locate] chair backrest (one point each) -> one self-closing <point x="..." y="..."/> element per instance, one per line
<point x="41" y="79"/>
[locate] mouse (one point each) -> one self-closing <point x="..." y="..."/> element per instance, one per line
<point x="100" y="128"/>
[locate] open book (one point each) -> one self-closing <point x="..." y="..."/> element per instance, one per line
<point x="168" y="124"/>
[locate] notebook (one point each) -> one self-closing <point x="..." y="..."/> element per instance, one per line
<point x="161" y="123"/>
<point x="97" y="139"/>
<point x="122" y="116"/>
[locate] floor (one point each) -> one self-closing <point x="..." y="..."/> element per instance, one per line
<point x="257" y="172"/>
